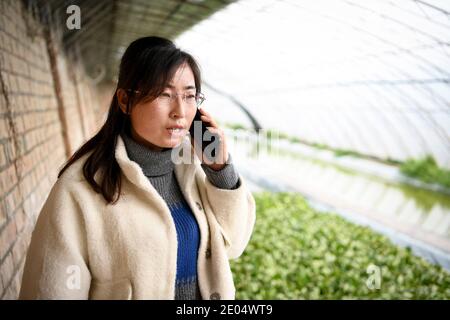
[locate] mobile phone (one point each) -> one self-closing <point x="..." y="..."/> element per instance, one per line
<point x="200" y="140"/>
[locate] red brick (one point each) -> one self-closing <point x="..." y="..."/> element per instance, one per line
<point x="12" y="175"/>
<point x="2" y="286"/>
<point x="9" y="203"/>
<point x="11" y="293"/>
<point x="20" y="219"/>
<point x="11" y="149"/>
<point x="3" y="217"/>
<point x="3" y="121"/>
<point x="9" y="178"/>
<point x="7" y="237"/>
<point x="20" y="124"/>
<point x="3" y="159"/>
<point x="7" y="268"/>
<point x="19" y="250"/>
<point x="16" y="283"/>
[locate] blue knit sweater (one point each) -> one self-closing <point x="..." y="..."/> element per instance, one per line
<point x="159" y="169"/>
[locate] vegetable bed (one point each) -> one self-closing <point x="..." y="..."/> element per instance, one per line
<point x="297" y="252"/>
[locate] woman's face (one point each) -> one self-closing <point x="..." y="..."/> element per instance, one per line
<point x="150" y="120"/>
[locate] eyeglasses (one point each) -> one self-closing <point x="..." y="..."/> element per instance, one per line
<point x="190" y="99"/>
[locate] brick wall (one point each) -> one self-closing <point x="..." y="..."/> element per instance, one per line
<point x="47" y="109"/>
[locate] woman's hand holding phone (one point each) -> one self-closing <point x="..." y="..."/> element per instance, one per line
<point x="221" y="154"/>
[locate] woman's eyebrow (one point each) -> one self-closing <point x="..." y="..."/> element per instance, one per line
<point x="185" y="88"/>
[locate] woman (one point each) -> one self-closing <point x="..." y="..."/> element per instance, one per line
<point x="125" y="220"/>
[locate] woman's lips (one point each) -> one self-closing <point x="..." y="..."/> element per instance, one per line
<point x="177" y="133"/>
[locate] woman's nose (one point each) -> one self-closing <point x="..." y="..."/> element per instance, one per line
<point x="179" y="107"/>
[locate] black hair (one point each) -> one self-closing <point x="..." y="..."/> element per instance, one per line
<point x="146" y="67"/>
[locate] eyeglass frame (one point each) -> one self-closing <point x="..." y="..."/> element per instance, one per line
<point x="202" y="96"/>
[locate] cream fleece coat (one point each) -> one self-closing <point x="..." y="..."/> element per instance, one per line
<point x="82" y="248"/>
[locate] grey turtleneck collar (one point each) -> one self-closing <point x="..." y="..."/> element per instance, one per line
<point x="159" y="164"/>
<point x="153" y="163"/>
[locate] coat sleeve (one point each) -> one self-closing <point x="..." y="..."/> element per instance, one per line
<point x="56" y="264"/>
<point x="235" y="212"/>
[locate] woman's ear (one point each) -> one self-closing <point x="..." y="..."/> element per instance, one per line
<point x="122" y="99"/>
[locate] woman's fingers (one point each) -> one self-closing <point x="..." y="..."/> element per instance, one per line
<point x="209" y="120"/>
<point x="221" y="156"/>
<point x="206" y="116"/>
<point x="215" y="130"/>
